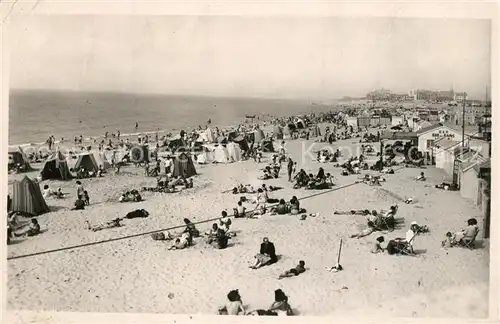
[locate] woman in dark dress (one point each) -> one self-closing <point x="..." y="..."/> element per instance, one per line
<point x="267" y="255"/>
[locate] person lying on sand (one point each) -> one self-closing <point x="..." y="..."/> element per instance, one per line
<point x="138" y="213"/>
<point x="300" y="268"/>
<point x="180" y="242"/>
<point x="367" y="231"/>
<point x="111" y="224"/>
<point x="234" y="306"/>
<point x="33" y="229"/>
<point x="267" y="255"/>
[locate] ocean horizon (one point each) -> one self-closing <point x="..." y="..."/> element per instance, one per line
<point x="34" y="115"/>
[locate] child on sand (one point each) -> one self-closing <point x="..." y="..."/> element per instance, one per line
<point x="300" y="268"/>
<point x="421" y="177"/>
<point x="448" y="242"/>
<point x="377" y="247"/>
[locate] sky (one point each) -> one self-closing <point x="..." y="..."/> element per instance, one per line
<point x="314" y="58"/>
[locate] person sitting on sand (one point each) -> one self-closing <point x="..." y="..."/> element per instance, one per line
<point x="234" y="306"/>
<point x="280" y="304"/>
<point x="79" y="204"/>
<point x="421" y="177"/>
<point x="191" y="229"/>
<point x="448" y="241"/>
<point x="240" y="210"/>
<point x="47" y="192"/>
<point x="367" y="231"/>
<point x="100" y="171"/>
<point x="267" y="255"/>
<point x="281" y="208"/>
<point x="221" y="239"/>
<point x="211" y="235"/>
<point x="136" y="196"/>
<point x="110" y="224"/>
<point x="189" y="183"/>
<point x="294" y="206"/>
<point x="34" y="229"/>
<point x="377" y="247"/>
<point x="124" y="197"/>
<point x="225" y="222"/>
<point x="300" y="268"/>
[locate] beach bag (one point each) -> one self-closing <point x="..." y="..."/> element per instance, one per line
<point x="158" y="236"/>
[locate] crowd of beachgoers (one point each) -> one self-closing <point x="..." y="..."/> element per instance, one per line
<point x="278" y="188"/>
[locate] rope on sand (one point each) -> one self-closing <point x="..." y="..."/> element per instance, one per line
<point x="174" y="227"/>
<point x="165" y="229"/>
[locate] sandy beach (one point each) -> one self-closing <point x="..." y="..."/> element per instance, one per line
<point x="141" y="275"/>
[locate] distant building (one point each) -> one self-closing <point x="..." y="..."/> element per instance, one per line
<point x="460" y="96"/>
<point x="427" y="136"/>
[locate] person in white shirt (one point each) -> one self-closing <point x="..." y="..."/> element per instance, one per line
<point x="411" y="234"/>
<point x="46" y="192"/>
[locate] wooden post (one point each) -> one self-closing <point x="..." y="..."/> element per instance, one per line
<point x="340" y="250"/>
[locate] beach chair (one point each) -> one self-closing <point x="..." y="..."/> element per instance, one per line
<point x="401" y="246"/>
<point x="469" y="242"/>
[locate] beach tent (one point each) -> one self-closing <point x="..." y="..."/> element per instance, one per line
<point x="139" y="154"/>
<point x="258" y="135"/>
<point x="209" y="134"/>
<point x="183" y="164"/>
<point x="206" y="155"/>
<point x="234" y="152"/>
<point x="278" y="132"/>
<point x="221" y="155"/>
<point x="242" y="142"/>
<point x="267" y="146"/>
<point x="27" y="198"/>
<point x="56" y="167"/>
<point x="299" y="123"/>
<point x="17" y="156"/>
<point x="102" y="160"/>
<point x="287" y="132"/>
<point x="86" y="161"/>
<point x="315" y="131"/>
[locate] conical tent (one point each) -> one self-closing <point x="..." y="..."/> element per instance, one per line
<point x="101" y="159"/>
<point x="258" y="135"/>
<point x="221" y="154"/>
<point x="27" y="198"/>
<point x="234" y="152"/>
<point x="86" y="161"/>
<point x="17" y="156"/>
<point x="205" y="156"/>
<point x="183" y="165"/>
<point x="56" y="167"/>
<point x="278" y="132"/>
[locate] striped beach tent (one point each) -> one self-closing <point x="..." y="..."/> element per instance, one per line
<point x="27" y="198"/>
<point x="259" y="135"/>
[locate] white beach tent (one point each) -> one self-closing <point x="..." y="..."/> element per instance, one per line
<point x="234" y="152"/>
<point x="210" y="136"/>
<point x="207" y="154"/>
<point x="221" y="155"/>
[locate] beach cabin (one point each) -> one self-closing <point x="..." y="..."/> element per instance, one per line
<point x="364" y="121"/>
<point x="375" y="120"/>
<point x="352" y="121"/>
<point x="397" y="120"/>
<point x="470" y="174"/>
<point x="27" y="198"/>
<point x="427" y="136"/>
<point x="444" y="154"/>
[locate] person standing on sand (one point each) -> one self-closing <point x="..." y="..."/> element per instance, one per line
<point x="136" y="125"/>
<point x="290" y="169"/>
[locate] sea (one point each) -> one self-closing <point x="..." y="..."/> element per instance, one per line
<point x="35" y="115"/>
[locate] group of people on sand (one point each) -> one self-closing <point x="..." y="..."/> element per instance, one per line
<point x="130" y="196"/>
<point x="308" y="181"/>
<point x="84" y="173"/>
<point x="464" y="237"/>
<point x="15" y="228"/>
<point x="279" y="307"/>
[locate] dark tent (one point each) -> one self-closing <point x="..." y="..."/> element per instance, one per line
<point x="278" y="132"/>
<point x="17" y="157"/>
<point x="242" y="142"/>
<point x="27" y="198"/>
<point x="139" y="154"/>
<point x="267" y="146"/>
<point x="56" y="167"/>
<point x="183" y="164"/>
